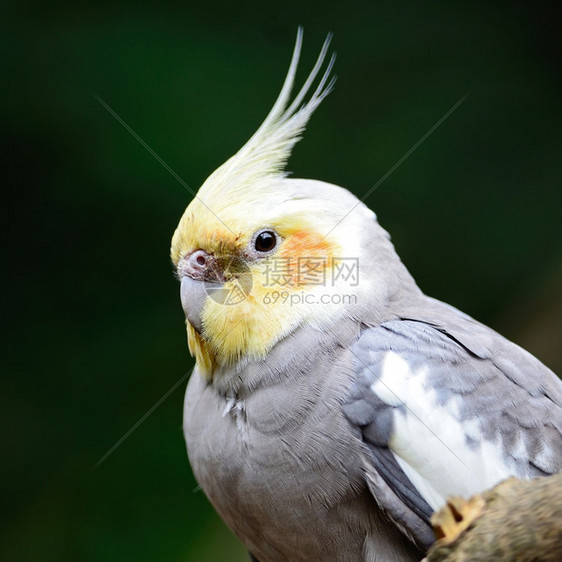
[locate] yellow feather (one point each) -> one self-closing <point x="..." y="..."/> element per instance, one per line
<point x="246" y="193"/>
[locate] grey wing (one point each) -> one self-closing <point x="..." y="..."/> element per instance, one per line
<point x="449" y="410"/>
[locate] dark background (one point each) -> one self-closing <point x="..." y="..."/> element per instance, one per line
<point x="94" y="332"/>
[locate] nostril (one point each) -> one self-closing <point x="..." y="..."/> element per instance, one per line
<point x="199" y="260"/>
<point x="198" y="265"/>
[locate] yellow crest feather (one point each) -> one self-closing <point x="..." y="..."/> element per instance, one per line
<point x="266" y="153"/>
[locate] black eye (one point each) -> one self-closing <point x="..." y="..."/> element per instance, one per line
<point x="265" y="241"/>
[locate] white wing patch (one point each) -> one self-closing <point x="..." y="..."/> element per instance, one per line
<point x="430" y="443"/>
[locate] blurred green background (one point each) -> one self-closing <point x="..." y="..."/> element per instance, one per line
<point x="94" y="332"/>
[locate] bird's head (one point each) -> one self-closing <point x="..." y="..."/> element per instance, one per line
<point x="259" y="254"/>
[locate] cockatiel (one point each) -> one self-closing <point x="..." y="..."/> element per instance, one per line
<point x="334" y="406"/>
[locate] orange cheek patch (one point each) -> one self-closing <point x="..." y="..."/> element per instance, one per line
<point x="308" y="258"/>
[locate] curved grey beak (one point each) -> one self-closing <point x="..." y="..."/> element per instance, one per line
<point x="193" y="293"/>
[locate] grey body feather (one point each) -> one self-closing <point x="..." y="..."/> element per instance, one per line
<point x="293" y="450"/>
<point x="512" y="397"/>
<point x="295" y="460"/>
<point x="281" y="463"/>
